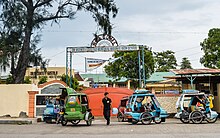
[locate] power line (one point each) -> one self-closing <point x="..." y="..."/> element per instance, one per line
<point x="57" y="54"/>
<point x="186" y="49"/>
<point x="189" y="55"/>
<point x="144" y="32"/>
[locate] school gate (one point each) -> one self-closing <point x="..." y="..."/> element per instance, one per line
<point x="96" y="94"/>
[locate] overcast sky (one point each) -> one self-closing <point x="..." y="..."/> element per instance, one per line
<point x="177" y="25"/>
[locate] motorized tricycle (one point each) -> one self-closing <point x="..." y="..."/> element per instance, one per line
<point x="122" y="109"/>
<point x="52" y="109"/>
<point x="76" y="108"/>
<point x="195" y="106"/>
<point x="144" y="107"/>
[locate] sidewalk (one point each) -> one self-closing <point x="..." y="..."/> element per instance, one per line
<point x="17" y="121"/>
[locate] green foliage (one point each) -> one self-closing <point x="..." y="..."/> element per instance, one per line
<point x="185" y="64"/>
<point x="165" y="61"/>
<point x="42" y="79"/>
<point x="11" y="39"/>
<point x="75" y="83"/>
<point x="28" y="17"/>
<point x="211" y="49"/>
<point x="27" y="80"/>
<point x="126" y="65"/>
<point x="9" y="80"/>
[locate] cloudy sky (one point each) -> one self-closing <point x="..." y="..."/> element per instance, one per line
<point x="177" y="25"/>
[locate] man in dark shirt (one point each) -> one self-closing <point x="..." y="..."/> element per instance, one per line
<point x="107" y="107"/>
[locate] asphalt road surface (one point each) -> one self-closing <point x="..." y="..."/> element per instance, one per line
<point x="172" y="128"/>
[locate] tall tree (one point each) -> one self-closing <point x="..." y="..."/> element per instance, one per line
<point x="165" y="60"/>
<point x="211" y="49"/>
<point x="32" y="15"/>
<point x="185" y="64"/>
<point x="126" y="65"/>
<point x="10" y="45"/>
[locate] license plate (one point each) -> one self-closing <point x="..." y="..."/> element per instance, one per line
<point x="72" y="110"/>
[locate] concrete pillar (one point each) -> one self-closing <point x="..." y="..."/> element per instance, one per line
<point x="129" y="84"/>
<point x="31" y="106"/>
<point x="113" y="85"/>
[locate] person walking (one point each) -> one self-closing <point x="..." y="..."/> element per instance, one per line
<point x="107" y="107"/>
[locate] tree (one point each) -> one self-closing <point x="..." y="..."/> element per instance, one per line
<point x="10" y="45"/>
<point x="165" y="60"/>
<point x="126" y="65"/>
<point x="42" y="79"/>
<point x="9" y="80"/>
<point x="32" y="15"/>
<point x="27" y="80"/>
<point x="75" y="83"/>
<point x="211" y="49"/>
<point x="185" y="64"/>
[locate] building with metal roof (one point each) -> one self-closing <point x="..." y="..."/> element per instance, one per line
<point x="159" y="84"/>
<point x="205" y="80"/>
<point x="159" y="76"/>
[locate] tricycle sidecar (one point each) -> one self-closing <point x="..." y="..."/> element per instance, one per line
<point x="122" y="109"/>
<point x="51" y="111"/>
<point x="144" y="107"/>
<point x="76" y="109"/>
<point x="195" y="106"/>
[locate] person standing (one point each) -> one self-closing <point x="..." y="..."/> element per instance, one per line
<point x="107" y="107"/>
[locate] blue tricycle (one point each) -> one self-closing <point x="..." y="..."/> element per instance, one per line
<point x="144" y="107"/>
<point x="51" y="111"/>
<point x="195" y="106"/>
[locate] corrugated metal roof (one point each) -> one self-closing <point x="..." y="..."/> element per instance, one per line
<point x="159" y="76"/>
<point x="195" y="71"/>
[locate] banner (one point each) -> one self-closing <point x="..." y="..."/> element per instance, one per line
<point x="93" y="63"/>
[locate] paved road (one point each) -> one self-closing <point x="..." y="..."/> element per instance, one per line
<point x="171" y="129"/>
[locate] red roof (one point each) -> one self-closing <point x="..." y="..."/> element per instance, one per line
<point x="195" y="71"/>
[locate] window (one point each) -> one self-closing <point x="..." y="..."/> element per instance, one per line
<point x="72" y="99"/>
<point x="84" y="99"/>
<point x="41" y="100"/>
<point x="44" y="99"/>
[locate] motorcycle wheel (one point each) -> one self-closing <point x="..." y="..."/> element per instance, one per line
<point x="63" y="121"/>
<point x="211" y="120"/>
<point x="89" y="122"/>
<point x="157" y="120"/>
<point x="196" y="117"/>
<point x="146" y="118"/>
<point x="48" y="120"/>
<point x="120" y="117"/>
<point x="134" y="121"/>
<point x="75" y="122"/>
<point x="184" y="120"/>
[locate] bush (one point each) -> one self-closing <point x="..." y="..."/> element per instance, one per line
<point x="27" y="80"/>
<point x="42" y="79"/>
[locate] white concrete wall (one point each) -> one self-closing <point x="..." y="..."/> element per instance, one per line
<point x="14" y="98"/>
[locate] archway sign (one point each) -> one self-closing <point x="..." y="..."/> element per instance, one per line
<point x="105" y="43"/>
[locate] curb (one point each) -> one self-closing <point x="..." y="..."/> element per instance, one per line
<point x="16" y="122"/>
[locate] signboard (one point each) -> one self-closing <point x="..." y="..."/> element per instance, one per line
<point x="93" y="63"/>
<point x="102" y="49"/>
<point x="104" y="39"/>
